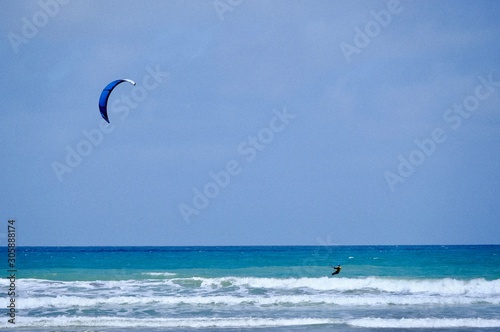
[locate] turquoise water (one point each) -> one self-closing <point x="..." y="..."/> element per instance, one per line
<point x="256" y="288"/>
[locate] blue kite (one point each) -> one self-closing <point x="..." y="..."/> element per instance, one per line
<point x="103" y="100"/>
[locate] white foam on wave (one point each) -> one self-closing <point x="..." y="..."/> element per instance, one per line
<point x="248" y="322"/>
<point x="200" y="322"/>
<point x="425" y="323"/>
<point x="65" y="302"/>
<point x="369" y="291"/>
<point x="160" y="274"/>
<point x="445" y="286"/>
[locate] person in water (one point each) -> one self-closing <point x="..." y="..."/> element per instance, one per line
<point x="337" y="269"/>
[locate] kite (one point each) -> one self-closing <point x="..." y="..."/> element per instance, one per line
<point x="103" y="100"/>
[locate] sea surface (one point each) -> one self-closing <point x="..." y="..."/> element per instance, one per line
<point x="264" y="288"/>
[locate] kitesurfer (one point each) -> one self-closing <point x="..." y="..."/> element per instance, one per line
<point x="337" y="269"/>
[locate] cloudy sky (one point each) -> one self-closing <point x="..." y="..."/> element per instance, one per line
<point x="252" y="122"/>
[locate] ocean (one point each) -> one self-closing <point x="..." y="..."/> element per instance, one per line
<point x="261" y="288"/>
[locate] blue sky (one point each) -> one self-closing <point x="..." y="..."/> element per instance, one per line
<point x="252" y="122"/>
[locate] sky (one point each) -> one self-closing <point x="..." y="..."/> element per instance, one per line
<point x="251" y="123"/>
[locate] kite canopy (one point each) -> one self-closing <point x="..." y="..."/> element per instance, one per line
<point x="103" y="100"/>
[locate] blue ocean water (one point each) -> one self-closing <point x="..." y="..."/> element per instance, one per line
<point x="285" y="288"/>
